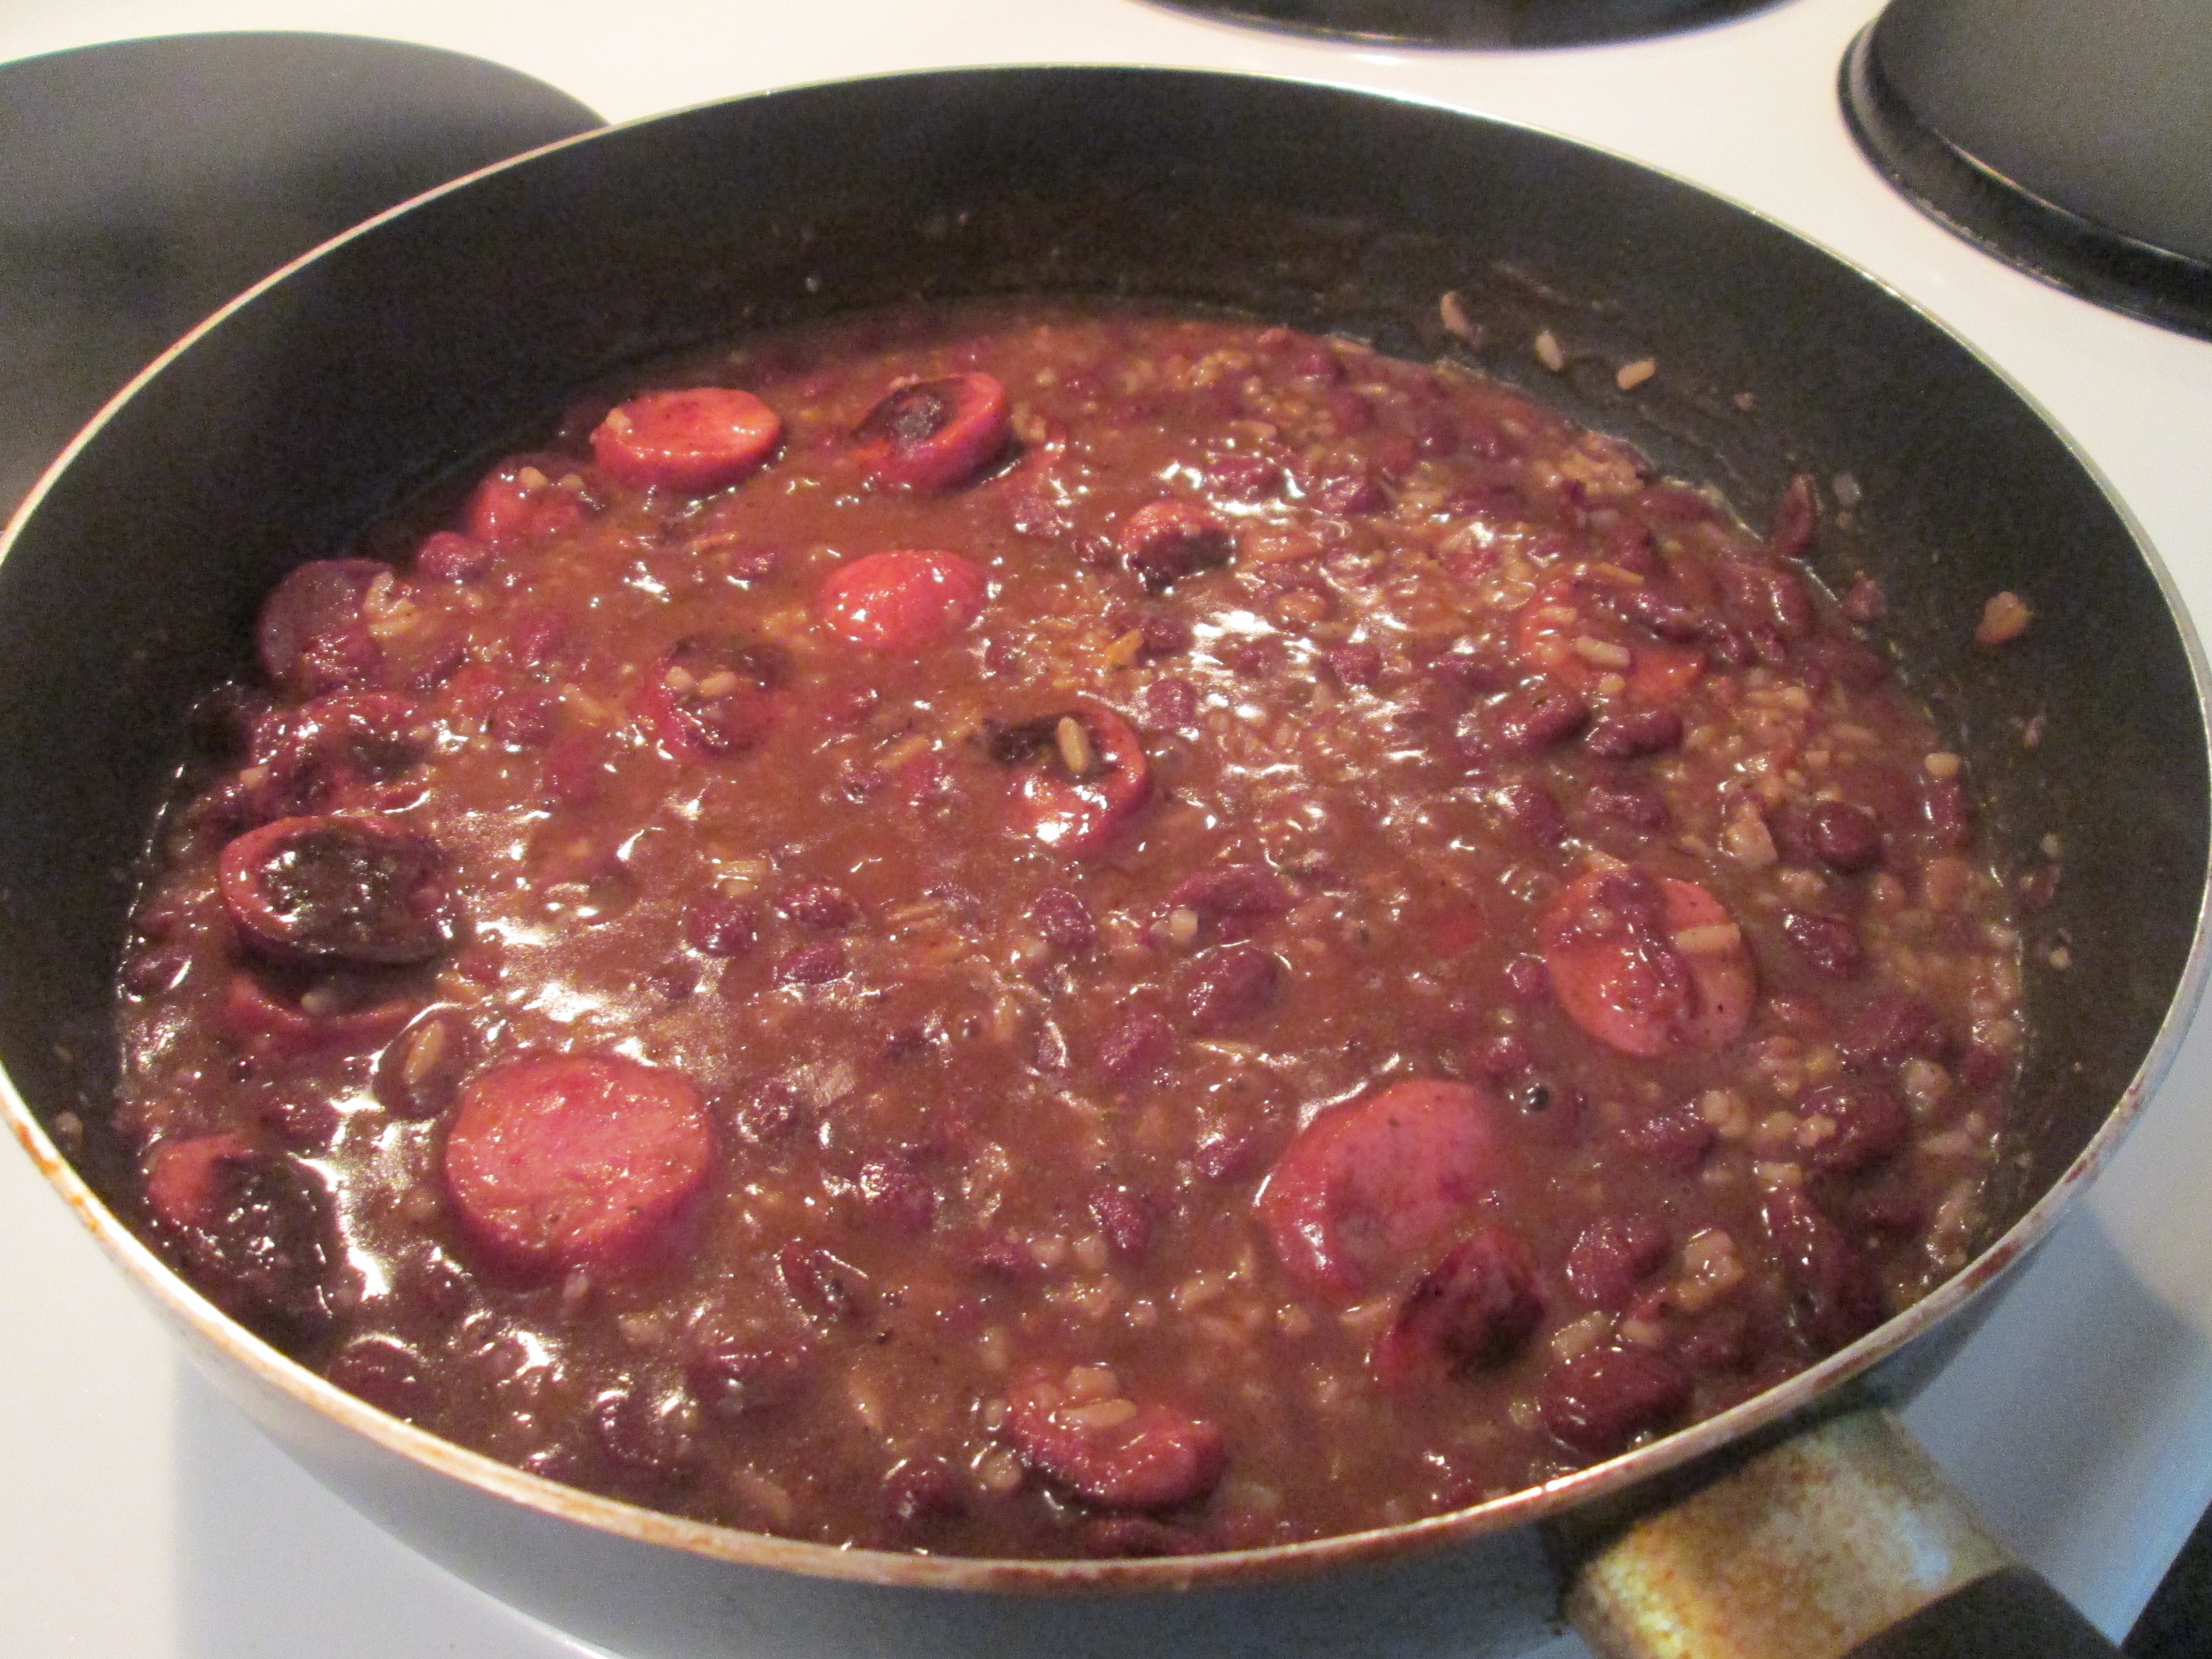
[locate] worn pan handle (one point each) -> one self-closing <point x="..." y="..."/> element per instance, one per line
<point x="1845" y="1542"/>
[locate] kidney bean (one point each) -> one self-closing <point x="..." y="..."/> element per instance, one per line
<point x="919" y="1491"/>
<point x="719" y="924"/>
<point x="313" y="634"/>
<point x="1346" y="495"/>
<point x="419" y="1073"/>
<point x="735" y="1380"/>
<point x="818" y="904"/>
<point x="1532" y="811"/>
<point x="1847" y="838"/>
<point x="1763" y="599"/>
<point x="1527" y="981"/>
<point x="1246" y="890"/>
<point x="1869" y="1124"/>
<point x="1354" y="665"/>
<point x="1828" y="945"/>
<point x="526" y="717"/>
<point x="902" y="603"/>
<point x="1243" y="477"/>
<point x="896" y="1196"/>
<point x="1678" y="1139"/>
<point x="1063" y="921"/>
<point x="1166" y="541"/>
<point x="1125" y="1219"/>
<point x="1226" y="1150"/>
<point x="385" y="1373"/>
<point x="332" y="889"/>
<point x="1155" y="1459"/>
<point x="821" y="1285"/>
<point x="1469" y="669"/>
<point x="566" y="1161"/>
<point x="929" y="435"/>
<point x="1632" y="733"/>
<point x="646" y="1435"/>
<point x="1630" y="805"/>
<point x="1476" y="1308"/>
<point x="1836" y="1291"/>
<point x="1669" y="619"/>
<point x="1610" y="946"/>
<point x="1529" y="722"/>
<point x="1135" y="1045"/>
<point x="695" y="441"/>
<point x="1614" y="1254"/>
<point x="448" y="555"/>
<point x="812" y="964"/>
<point x="1604" y="1397"/>
<point x="252" y="1229"/>
<point x="1504" y="1055"/>
<point x="1227" y="986"/>
<point x="1891" y="1028"/>
<point x="1373" y="1183"/>
<point x="1171" y="702"/>
<point x="1795" y="515"/>
<point x="1949" y="813"/>
<point x="1865" y="603"/>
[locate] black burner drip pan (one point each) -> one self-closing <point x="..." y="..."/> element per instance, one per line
<point x="1473" y="23"/>
<point x="2046" y="134"/>
<point x="149" y="181"/>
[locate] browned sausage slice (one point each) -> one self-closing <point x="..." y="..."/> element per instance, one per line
<point x="563" y="1162"/>
<point x="1370" y="1187"/>
<point x="1079" y="1430"/>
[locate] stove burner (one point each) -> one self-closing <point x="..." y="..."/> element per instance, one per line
<point x="147" y="181"/>
<point x="2067" y="138"/>
<point x="1472" y="22"/>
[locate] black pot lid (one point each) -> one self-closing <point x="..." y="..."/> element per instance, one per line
<point x="2070" y="137"/>
<point x="1472" y="22"/>
<point x="147" y="182"/>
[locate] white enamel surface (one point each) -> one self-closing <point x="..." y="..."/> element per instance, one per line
<point x="140" y="1517"/>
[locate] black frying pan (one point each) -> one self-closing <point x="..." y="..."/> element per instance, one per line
<point x="362" y="374"/>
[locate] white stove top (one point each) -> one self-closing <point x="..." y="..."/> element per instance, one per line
<point x="140" y="1517"/>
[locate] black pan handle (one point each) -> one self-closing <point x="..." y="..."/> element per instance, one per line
<point x="1843" y="1542"/>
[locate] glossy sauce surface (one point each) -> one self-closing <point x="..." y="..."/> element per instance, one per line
<point x="1055" y="930"/>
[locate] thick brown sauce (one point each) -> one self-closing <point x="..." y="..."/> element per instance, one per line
<point x="987" y="1079"/>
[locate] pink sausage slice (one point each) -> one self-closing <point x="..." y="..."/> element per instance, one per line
<point x="931" y="435"/>
<point x="902" y="602"/>
<point x="692" y="441"/>
<point x="566" y="1162"/>
<point x="1372" y="1188"/>
<point x="1650" y="966"/>
<point x="1115" y="1454"/>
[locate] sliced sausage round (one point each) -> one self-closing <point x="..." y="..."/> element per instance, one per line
<point x="692" y="441"/>
<point x="334" y="888"/>
<point x="1085" y="775"/>
<point x="1113" y="1451"/>
<point x="902" y="602"/>
<point x="1372" y="1187"/>
<point x="1647" y="965"/>
<point x="562" y="1161"/>
<point x="1476" y="1308"/>
<point x="932" y="434"/>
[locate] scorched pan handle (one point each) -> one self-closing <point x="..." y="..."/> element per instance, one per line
<point x="1845" y="1542"/>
